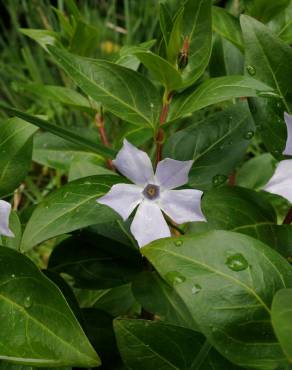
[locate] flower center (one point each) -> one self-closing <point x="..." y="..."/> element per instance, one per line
<point x="151" y="191"/>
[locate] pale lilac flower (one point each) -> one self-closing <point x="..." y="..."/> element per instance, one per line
<point x="5" y="209"/>
<point x="153" y="193"/>
<point x="281" y="181"/>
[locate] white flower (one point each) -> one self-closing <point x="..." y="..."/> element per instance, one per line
<point x="153" y="193"/>
<point x="281" y="181"/>
<point x="5" y="209"/>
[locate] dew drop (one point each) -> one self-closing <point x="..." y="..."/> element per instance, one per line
<point x="12" y="276"/>
<point x="174" y="277"/>
<point x="196" y="288"/>
<point x="251" y="70"/>
<point x="249" y="135"/>
<point x="219" y="180"/>
<point x="236" y="262"/>
<point x="178" y="243"/>
<point x="27" y="302"/>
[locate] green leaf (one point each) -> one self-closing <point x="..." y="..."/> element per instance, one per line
<point x="268" y="58"/>
<point x="95" y="262"/>
<point x="230" y="208"/>
<point x="281" y="24"/>
<point x="226" y="25"/>
<point x="85" y="39"/>
<point x="282" y="321"/>
<point x="216" y="144"/>
<point x="212" y="91"/>
<point x="271" y="128"/>
<point x="174" y="42"/>
<point x="161" y="299"/>
<point x="63" y="95"/>
<point x="115" y="301"/>
<point x="124" y="92"/>
<point x="161" y="69"/>
<point x="16" y="150"/>
<point x="264" y="10"/>
<point x="165" y="21"/>
<point x="147" y="345"/>
<point x="62" y="132"/>
<point x="15" y="226"/>
<point x="53" y="151"/>
<point x="256" y="172"/>
<point x="197" y="27"/>
<point x="10" y="366"/>
<point x="69" y="208"/>
<point x="42" y="37"/>
<point x="99" y="328"/>
<point x="238" y="277"/>
<point x="127" y="57"/>
<point x="87" y="165"/>
<point x="226" y="59"/>
<point x="46" y="330"/>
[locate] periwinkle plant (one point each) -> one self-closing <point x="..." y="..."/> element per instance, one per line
<point x="154" y="230"/>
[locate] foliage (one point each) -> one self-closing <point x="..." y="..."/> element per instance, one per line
<point x="200" y="80"/>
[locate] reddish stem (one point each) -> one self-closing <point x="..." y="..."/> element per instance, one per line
<point x="99" y="120"/>
<point x="162" y="120"/>
<point x="232" y="179"/>
<point x="288" y="218"/>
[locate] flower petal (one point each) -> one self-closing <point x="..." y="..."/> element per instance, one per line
<point x="182" y="205"/>
<point x="171" y="173"/>
<point x="149" y="224"/>
<point x="288" y="120"/>
<point x="123" y="198"/>
<point x="134" y="164"/>
<point x="5" y="209"/>
<point x="281" y="181"/>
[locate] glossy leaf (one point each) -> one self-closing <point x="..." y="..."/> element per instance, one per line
<point x="264" y="10"/>
<point x="161" y="69"/>
<point x="268" y="59"/>
<point x="63" y="95"/>
<point x="256" y="172"/>
<point x="216" y="144"/>
<point x="62" y="132"/>
<point x="226" y="25"/>
<point x="53" y="151"/>
<point x="95" y="262"/>
<point x="281" y="320"/>
<point x="16" y="151"/>
<point x="281" y="24"/>
<point x="99" y="328"/>
<point x="197" y="28"/>
<point x="162" y="300"/>
<point x="238" y="277"/>
<point x="146" y="345"/>
<point x="212" y="91"/>
<point x="42" y="37"/>
<point x="15" y="226"/>
<point x="39" y="315"/>
<point x="230" y="208"/>
<point x="271" y="128"/>
<point x="69" y="208"/>
<point x="115" y="301"/>
<point x="124" y="92"/>
<point x="85" y="39"/>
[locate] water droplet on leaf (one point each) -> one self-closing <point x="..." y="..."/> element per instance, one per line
<point x="249" y="135"/>
<point x="196" y="288"/>
<point x="174" y="277"/>
<point x="236" y="262"/>
<point x="251" y="70"/>
<point x="219" y="180"/>
<point x="27" y="302"/>
<point x="13" y="276"/>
